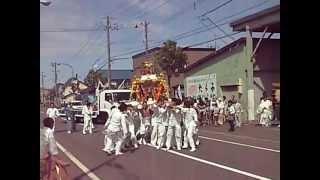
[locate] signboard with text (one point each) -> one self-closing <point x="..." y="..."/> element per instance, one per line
<point x="203" y="85"/>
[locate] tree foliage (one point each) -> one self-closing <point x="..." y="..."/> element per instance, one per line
<point x="171" y="59"/>
<point x="92" y="79"/>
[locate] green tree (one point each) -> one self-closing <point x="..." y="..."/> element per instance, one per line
<point x="92" y="79"/>
<point x="171" y="59"/>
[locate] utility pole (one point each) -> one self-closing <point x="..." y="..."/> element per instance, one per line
<point x="146" y="34"/>
<point x="108" y="50"/>
<point x="54" y="65"/>
<point x="42" y="85"/>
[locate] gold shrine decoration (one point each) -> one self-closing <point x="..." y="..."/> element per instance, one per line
<point x="149" y="85"/>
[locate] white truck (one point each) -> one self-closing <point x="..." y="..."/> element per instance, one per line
<point x="105" y="99"/>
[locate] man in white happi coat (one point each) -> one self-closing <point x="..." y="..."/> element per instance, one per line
<point x="159" y="124"/>
<point x="52" y="113"/>
<point x="174" y="125"/>
<point x="116" y="129"/>
<point x="132" y="115"/>
<point x="87" y="118"/>
<point x="190" y="122"/>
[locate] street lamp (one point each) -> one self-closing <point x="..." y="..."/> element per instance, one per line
<point x="66" y="65"/>
<point x="45" y="3"/>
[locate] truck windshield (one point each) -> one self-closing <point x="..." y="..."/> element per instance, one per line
<point x="76" y="104"/>
<point x="121" y="96"/>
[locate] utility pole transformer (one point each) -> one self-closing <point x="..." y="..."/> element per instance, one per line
<point x="108" y="50"/>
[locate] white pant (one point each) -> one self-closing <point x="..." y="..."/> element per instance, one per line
<point x="87" y="125"/>
<point x="189" y="132"/>
<point x="238" y="119"/>
<point x="176" y="130"/>
<point x="133" y="137"/>
<point x="158" y="134"/>
<point x="113" y="143"/>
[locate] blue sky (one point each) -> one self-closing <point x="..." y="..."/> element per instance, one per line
<point x="167" y="19"/>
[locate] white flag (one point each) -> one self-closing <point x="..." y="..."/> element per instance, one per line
<point x="179" y="92"/>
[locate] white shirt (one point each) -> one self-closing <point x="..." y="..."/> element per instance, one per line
<point x="159" y="114"/>
<point x="117" y="122"/>
<point x="238" y="107"/>
<point x="87" y="112"/>
<point x="175" y="117"/>
<point x="221" y="106"/>
<point x="47" y="143"/>
<point x="190" y="115"/>
<point x="52" y="112"/>
<point x="231" y="110"/>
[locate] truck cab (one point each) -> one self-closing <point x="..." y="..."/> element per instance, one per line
<point x="106" y="98"/>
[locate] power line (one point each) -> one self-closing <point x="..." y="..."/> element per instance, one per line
<point x="216" y="8"/>
<point x="198" y="30"/>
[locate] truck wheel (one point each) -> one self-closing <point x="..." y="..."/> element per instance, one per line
<point x="102" y="117"/>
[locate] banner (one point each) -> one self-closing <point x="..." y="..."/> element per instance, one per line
<point x="203" y="86"/>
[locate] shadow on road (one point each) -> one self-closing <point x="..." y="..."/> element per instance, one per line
<point x="110" y="163"/>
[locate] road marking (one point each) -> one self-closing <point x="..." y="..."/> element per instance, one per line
<point x="243" y="137"/>
<point x="78" y="163"/>
<point x="240" y="144"/>
<point x="217" y="165"/>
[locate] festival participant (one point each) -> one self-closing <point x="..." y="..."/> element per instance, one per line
<point x="216" y="112"/>
<point x="144" y="116"/>
<point x="221" y="107"/>
<point x="190" y="123"/>
<point x="87" y="118"/>
<point x="113" y="109"/>
<point x="52" y="112"/>
<point x="49" y="159"/>
<point x="174" y="125"/>
<point x="116" y="130"/>
<point x="231" y="115"/>
<point x="70" y="118"/>
<point x="131" y="117"/>
<point x="162" y="106"/>
<point x="239" y="110"/>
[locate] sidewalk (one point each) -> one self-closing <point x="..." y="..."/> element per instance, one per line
<point x="250" y="130"/>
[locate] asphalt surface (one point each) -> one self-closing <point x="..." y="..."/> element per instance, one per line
<point x="248" y="153"/>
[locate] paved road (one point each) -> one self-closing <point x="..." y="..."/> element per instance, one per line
<point x="249" y="153"/>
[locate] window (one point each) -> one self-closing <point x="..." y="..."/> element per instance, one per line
<point x="108" y="97"/>
<point x="121" y="96"/>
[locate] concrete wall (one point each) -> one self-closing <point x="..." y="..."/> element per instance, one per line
<point x="228" y="67"/>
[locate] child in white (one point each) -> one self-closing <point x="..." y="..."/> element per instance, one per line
<point x="175" y="118"/>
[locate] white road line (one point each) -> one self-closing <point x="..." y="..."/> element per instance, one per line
<point x="218" y="165"/>
<point x="240" y="144"/>
<point x="243" y="137"/>
<point x="78" y="163"/>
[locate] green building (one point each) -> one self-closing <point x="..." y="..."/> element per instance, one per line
<point x="244" y="68"/>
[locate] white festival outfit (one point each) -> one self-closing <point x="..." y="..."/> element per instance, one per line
<point x="158" y="123"/>
<point x="239" y="110"/>
<point x="174" y="127"/>
<point x="190" y="122"/>
<point x="87" y="118"/>
<point x="53" y="113"/>
<point x="265" y="110"/>
<point x="115" y="132"/>
<point x="130" y="117"/>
